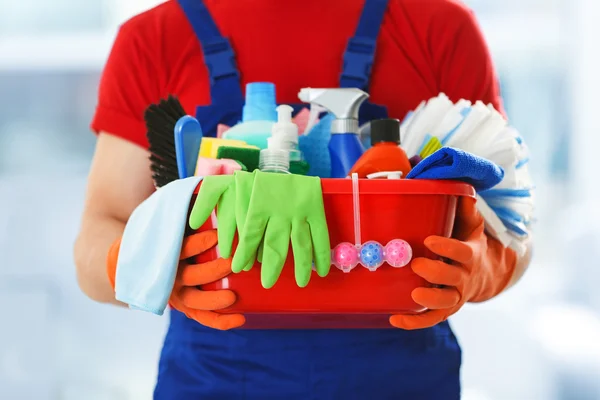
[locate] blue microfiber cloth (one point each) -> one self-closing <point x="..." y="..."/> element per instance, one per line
<point x="453" y="164"/>
<point x="150" y="247"/>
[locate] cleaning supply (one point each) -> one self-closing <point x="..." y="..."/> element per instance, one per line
<point x="386" y="175"/>
<point x="314" y="146"/>
<point x="424" y="121"/>
<point x="482" y="130"/>
<point x="371" y="255"/>
<point x="285" y="133"/>
<point x="346" y="256"/>
<point x="150" y="247"/>
<point x="303" y="120"/>
<point x="211" y="166"/>
<point x="221" y="129"/>
<point x="284" y="206"/>
<point x="186" y="296"/>
<point x="299" y="167"/>
<point x="248" y="157"/>
<point x="431" y="145"/>
<point x="385" y="153"/>
<point x="493" y="223"/>
<point x="414" y="160"/>
<point x="220" y="192"/>
<point x="274" y="160"/>
<point x="161" y="119"/>
<point x="210" y="146"/>
<point x="364" y="133"/>
<point x="480" y="268"/>
<point x="188" y="136"/>
<point x="449" y="163"/>
<point x="258" y="116"/>
<point x="345" y="147"/>
<point x="244" y="185"/>
<point x="282" y="146"/>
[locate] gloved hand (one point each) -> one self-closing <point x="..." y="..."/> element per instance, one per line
<point x="284" y="206"/>
<point x="480" y="269"/>
<point x="219" y="191"/>
<point x="186" y="297"/>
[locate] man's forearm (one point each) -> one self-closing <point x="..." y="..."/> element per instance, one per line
<point x="91" y="249"/>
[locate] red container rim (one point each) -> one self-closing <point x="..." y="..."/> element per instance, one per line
<point x="399" y="186"/>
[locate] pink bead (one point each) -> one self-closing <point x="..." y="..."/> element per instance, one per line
<point x="345" y="256"/>
<point x="398" y="253"/>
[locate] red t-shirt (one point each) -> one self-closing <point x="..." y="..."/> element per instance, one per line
<point x="424" y="47"/>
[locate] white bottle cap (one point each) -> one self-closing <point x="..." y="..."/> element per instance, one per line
<point x="386" y="174"/>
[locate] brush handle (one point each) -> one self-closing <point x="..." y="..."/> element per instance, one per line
<point x="188" y="135"/>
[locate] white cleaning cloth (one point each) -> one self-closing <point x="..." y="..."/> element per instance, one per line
<point x="150" y="247"/>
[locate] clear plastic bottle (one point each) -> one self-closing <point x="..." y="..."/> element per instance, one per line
<point x="282" y="146"/>
<point x="284" y="134"/>
<point x="274" y="160"/>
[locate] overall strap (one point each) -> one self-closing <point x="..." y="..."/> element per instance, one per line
<point x="218" y="53"/>
<point x="360" y="53"/>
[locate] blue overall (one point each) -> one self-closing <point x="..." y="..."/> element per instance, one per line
<point x="202" y="363"/>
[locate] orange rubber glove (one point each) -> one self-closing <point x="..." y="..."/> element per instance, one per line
<point x="195" y="303"/>
<point x="480" y="268"/>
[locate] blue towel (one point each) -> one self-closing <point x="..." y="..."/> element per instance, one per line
<point x="453" y="164"/>
<point x="150" y="247"/>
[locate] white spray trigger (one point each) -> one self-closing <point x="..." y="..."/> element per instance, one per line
<point x="315" y="111"/>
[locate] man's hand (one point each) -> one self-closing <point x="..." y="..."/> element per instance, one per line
<point x="186" y="297"/>
<point x="479" y="268"/>
<point x="195" y="303"/>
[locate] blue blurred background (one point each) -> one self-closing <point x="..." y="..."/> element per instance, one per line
<point x="540" y="340"/>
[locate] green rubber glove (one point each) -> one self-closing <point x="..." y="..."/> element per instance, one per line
<point x="244" y="184"/>
<point x="219" y="191"/>
<point x="284" y="206"/>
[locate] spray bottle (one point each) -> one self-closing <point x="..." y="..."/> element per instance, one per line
<point x="345" y="147"/>
<point x="282" y="147"/>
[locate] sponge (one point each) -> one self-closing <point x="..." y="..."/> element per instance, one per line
<point x="209" y="146"/>
<point x="299" y="167"/>
<point x="248" y="157"/>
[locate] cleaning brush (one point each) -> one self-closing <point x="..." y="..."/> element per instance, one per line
<point x="160" y="124"/>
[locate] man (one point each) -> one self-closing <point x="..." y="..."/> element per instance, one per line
<point x="423" y="47"/>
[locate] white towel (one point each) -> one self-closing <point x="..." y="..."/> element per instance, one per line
<point x="150" y="247"/>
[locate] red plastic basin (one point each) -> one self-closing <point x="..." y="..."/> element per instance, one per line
<point x="390" y="209"/>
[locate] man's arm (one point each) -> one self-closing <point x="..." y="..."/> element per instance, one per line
<point x="466" y="71"/>
<point x="118" y="182"/>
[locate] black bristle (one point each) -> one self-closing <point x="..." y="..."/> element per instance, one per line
<point x="160" y="124"/>
<point x="177" y="104"/>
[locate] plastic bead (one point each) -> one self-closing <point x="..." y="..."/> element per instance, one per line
<point x="345" y="256"/>
<point x="371" y="255"/>
<point x="398" y="253"/>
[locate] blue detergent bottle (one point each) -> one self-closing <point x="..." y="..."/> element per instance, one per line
<point x="258" y="117"/>
<point x="345" y="147"/>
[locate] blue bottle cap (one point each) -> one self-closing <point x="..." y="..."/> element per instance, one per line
<point x="260" y="102"/>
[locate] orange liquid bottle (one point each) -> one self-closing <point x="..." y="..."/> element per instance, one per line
<point x="386" y="155"/>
